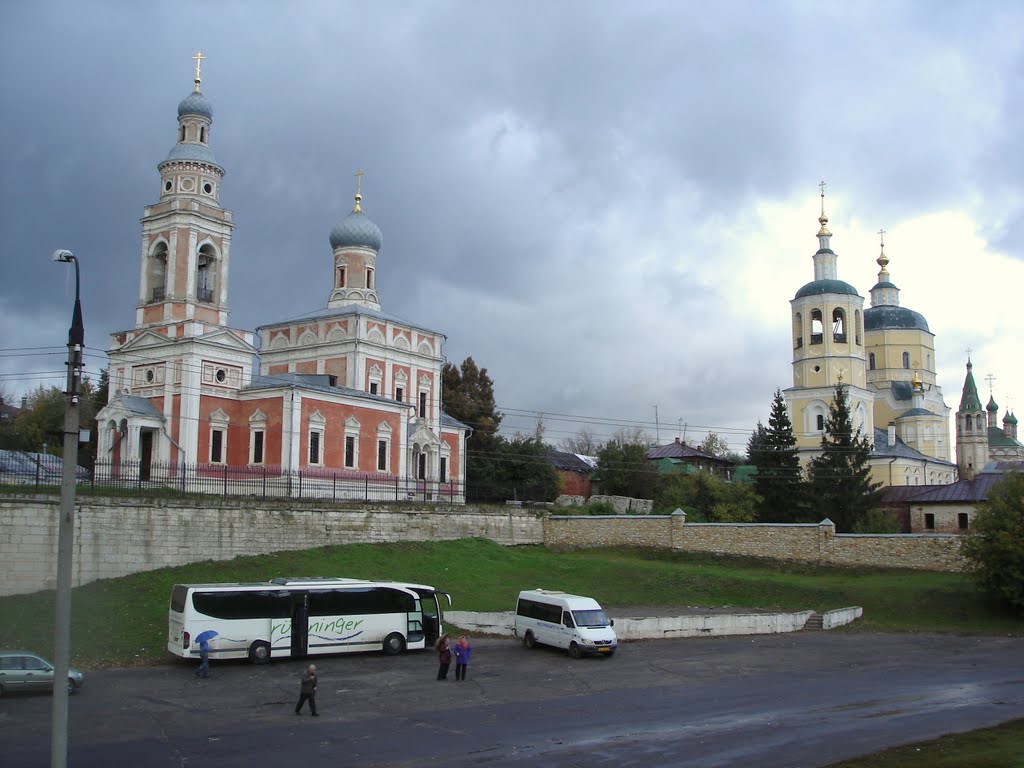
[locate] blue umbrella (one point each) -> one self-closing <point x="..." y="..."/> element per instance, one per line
<point x="207" y="636"/>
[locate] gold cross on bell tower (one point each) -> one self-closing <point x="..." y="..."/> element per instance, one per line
<point x="359" y="196"/>
<point x="199" y="60"/>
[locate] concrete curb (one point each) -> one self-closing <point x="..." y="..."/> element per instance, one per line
<point x="659" y="627"/>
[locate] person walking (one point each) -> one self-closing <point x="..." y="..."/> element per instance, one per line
<point x="444" y="656"/>
<point x="462" y="651"/>
<point x="307" y="691"/>
<point x="204" y="659"/>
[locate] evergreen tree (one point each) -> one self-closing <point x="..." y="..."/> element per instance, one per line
<point x="779" y="480"/>
<point x="623" y="469"/>
<point x="841" y="475"/>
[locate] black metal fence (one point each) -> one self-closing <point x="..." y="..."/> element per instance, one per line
<point x="173" y="479"/>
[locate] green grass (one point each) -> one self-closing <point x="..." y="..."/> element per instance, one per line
<point x="117" y="622"/>
<point x="123" y="621"/>
<point x="999" y="747"/>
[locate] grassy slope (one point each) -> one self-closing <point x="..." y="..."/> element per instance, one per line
<point x="120" y="620"/>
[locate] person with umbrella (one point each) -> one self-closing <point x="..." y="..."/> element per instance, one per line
<point x="203" y="639"/>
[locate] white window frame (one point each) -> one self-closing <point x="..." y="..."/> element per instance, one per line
<point x="219" y="422"/>
<point x="317" y="425"/>
<point x="351" y="431"/>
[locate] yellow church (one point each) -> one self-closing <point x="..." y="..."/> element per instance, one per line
<point x="886" y="356"/>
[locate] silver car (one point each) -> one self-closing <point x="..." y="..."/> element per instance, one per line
<point x="26" y="671"/>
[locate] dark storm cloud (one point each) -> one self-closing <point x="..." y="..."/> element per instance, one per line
<point x="548" y="177"/>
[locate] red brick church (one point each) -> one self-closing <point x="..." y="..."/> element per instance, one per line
<point x="348" y="396"/>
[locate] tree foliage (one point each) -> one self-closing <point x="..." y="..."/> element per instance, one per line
<point x="623" y="469"/>
<point x="841" y="475"/>
<point x="467" y="394"/>
<point x="707" y="497"/>
<point x="714" y="445"/>
<point x="584" y="443"/>
<point x="779" y="481"/>
<point x="38" y="426"/>
<point x="996" y="549"/>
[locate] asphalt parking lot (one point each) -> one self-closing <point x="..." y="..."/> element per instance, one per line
<point x="802" y="699"/>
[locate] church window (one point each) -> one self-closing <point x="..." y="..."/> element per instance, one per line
<point x="315" y="440"/>
<point x="351" y="442"/>
<point x="332" y="381"/>
<point x="859" y="326"/>
<point x="871" y="361"/>
<point x="906" y="360"/>
<point x="168" y="186"/>
<point x="208" y="188"/>
<point x="257" y="446"/>
<point x="205" y="277"/>
<point x="838" y="325"/>
<point x="968" y="422"/>
<point x="820" y="422"/>
<point x="421" y="467"/>
<point x="369" y="278"/>
<point x="373" y="387"/>
<point x="382" y="455"/>
<point x="217" y="446"/>
<point x="798" y="330"/>
<point x="423" y="405"/>
<point x="442" y="474"/>
<point x="221" y="375"/>
<point x="816" y="326"/>
<point x="399" y="394"/>
<point x="181" y="133"/>
<point x="202" y="134"/>
<point x="158" y="272"/>
<point x="341" y="277"/>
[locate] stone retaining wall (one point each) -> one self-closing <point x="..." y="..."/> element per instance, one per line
<point x="116" y="537"/>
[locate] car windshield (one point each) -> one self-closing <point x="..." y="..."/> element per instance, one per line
<point x="590" y="618"/>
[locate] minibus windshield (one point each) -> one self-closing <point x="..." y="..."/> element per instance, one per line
<point x="590" y="618"/>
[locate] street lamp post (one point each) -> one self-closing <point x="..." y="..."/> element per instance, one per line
<point x="66" y="535"/>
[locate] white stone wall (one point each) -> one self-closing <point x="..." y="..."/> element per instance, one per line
<point x="115" y="538"/>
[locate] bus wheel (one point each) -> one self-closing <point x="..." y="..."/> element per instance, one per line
<point x="574" y="651"/>
<point x="259" y="652"/>
<point x="529" y="641"/>
<point x="393" y="644"/>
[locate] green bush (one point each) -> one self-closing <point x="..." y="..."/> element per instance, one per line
<point x="996" y="550"/>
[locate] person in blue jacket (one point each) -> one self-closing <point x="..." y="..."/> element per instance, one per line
<point x="462" y="651"/>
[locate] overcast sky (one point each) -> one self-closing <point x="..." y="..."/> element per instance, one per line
<point x="608" y="205"/>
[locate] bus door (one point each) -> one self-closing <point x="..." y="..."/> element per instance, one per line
<point x="300" y="624"/>
<point x="431" y="613"/>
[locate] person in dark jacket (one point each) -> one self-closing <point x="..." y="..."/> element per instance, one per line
<point x="307" y="691"/>
<point x="204" y="659"/>
<point x="462" y="651"/>
<point x="444" y="656"/>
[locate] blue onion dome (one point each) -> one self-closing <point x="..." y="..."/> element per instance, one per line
<point x="187" y="151"/>
<point x="818" y="287"/>
<point x="356" y="231"/>
<point x="195" y="104"/>
<point x="886" y="316"/>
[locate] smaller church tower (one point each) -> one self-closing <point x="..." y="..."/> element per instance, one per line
<point x="828" y="346"/>
<point x="971" y="430"/>
<point x="356" y="242"/>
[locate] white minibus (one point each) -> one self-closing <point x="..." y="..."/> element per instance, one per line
<point x="573" y="622"/>
<point x="302" y="617"/>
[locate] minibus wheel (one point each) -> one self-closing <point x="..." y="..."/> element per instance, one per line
<point x="574" y="651"/>
<point x="528" y="640"/>
<point x="259" y="652"/>
<point x="394" y="644"/>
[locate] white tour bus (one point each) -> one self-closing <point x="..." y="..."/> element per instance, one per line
<point x="573" y="622"/>
<point x="302" y="617"/>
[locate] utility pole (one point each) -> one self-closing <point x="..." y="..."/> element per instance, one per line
<point x="66" y="534"/>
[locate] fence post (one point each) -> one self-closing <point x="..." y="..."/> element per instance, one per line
<point x="225" y="479"/>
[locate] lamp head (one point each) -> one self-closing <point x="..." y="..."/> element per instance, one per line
<point x="62" y="254"/>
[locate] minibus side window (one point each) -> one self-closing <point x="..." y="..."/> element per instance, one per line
<point x="567" y="619"/>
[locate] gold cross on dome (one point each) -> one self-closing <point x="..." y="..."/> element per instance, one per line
<point x="359" y="195"/>
<point x="199" y="60"/>
<point x="881" y="235"/>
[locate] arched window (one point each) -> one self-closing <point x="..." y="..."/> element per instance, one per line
<point x="859" y="329"/>
<point x="202" y="134"/>
<point x="798" y="330"/>
<point x="340" y="278"/>
<point x="816" y="326"/>
<point x="838" y="325"/>
<point x="158" y="272"/>
<point x="819" y="422"/>
<point x="871" y="361"/>
<point x="906" y="360"/>
<point x="369" y="279"/>
<point x="206" y="274"/>
<point x="967" y="423"/>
